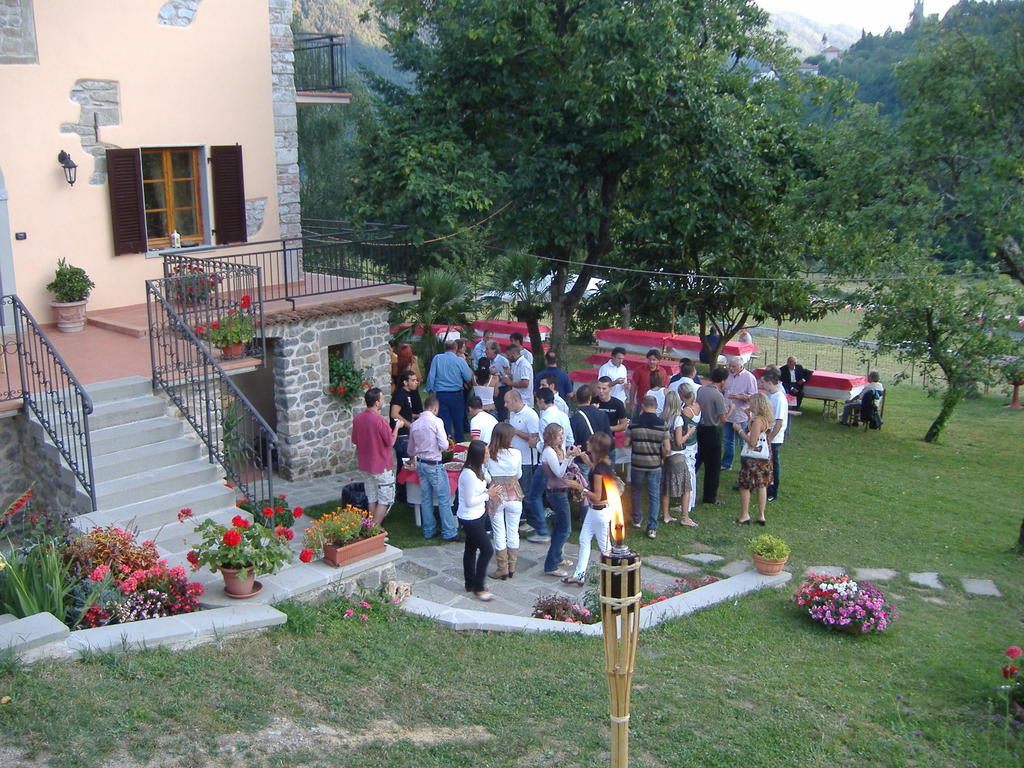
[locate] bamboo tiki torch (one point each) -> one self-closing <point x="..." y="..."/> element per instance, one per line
<point x="620" y="620"/>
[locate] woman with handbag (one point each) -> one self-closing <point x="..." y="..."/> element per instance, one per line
<point x="505" y="465"/>
<point x="755" y="458"/>
<point x="473" y="496"/>
<point x="675" y="478"/>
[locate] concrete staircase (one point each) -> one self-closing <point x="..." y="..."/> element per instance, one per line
<point x="148" y="465"/>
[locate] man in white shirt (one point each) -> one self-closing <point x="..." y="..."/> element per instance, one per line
<point x="616" y="371"/>
<point x="526" y="423"/>
<point x="517" y="338"/>
<point x="549" y="414"/>
<point x="520" y="378"/>
<point x="481" y="423"/>
<point x="777" y="434"/>
<point x="686" y="372"/>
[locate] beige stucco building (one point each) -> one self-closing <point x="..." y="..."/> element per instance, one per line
<point x="166" y="85"/>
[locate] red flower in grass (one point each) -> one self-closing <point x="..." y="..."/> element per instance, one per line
<point x="232" y="538"/>
<point x="245" y="302"/>
<point x="239" y="522"/>
<point x="268" y="511"/>
<point x="306" y="555"/>
<point x="1009" y="671"/>
<point x="297" y="513"/>
<point x="1014" y="652"/>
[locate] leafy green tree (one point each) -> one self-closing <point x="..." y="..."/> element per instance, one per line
<point x="944" y="325"/>
<point x="520" y="280"/>
<point x="552" y="105"/>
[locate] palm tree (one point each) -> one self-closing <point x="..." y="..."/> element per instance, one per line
<point x="521" y="280"/>
<point x="444" y="300"/>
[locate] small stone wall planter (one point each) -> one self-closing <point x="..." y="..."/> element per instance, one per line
<point x="359" y="550"/>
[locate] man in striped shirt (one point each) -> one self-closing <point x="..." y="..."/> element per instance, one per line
<point x="647" y="439"/>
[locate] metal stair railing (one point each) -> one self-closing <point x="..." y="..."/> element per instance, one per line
<point x="51" y="392"/>
<point x="234" y="433"/>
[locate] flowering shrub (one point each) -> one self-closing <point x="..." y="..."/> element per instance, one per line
<point x="344" y="525"/>
<point x="842" y="604"/>
<point x="191" y="284"/>
<point x="273" y="513"/>
<point x="652" y="595"/>
<point x="346" y="382"/>
<point x="114" y="549"/>
<point x="237" y="326"/>
<point x="562" y="608"/>
<point x="1013" y="686"/>
<point x="243" y="545"/>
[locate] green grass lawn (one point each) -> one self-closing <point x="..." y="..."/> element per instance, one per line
<point x="748" y="683"/>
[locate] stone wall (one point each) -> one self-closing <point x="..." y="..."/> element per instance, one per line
<point x="100" y="102"/>
<point x="25" y="459"/>
<point x="178" y="13"/>
<point x="17" y="32"/>
<point x="286" y="126"/>
<point x="314" y="430"/>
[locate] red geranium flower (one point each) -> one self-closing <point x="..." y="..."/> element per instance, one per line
<point x="184" y="514"/>
<point x="200" y="330"/>
<point x="215" y="324"/>
<point x="306" y="555"/>
<point x="297" y="513"/>
<point x="285" y="533"/>
<point x="1014" y="652"/>
<point x="192" y="557"/>
<point x="232" y="538"/>
<point x="268" y="512"/>
<point x="1009" y="671"/>
<point x="245" y="302"/>
<point x="239" y="522"/>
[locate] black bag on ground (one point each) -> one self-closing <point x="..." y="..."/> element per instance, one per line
<point x="354" y="494"/>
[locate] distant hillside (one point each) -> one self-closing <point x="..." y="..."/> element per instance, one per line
<point x="805" y="34"/>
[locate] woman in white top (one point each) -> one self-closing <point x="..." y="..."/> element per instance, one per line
<point x="555" y="460"/>
<point x="675" y="478"/>
<point x="473" y="496"/>
<point x="485" y="384"/>
<point x="657" y="390"/>
<point x="505" y="466"/>
<point x="691" y="418"/>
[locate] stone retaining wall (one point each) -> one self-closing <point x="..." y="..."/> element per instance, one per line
<point x="25" y="458"/>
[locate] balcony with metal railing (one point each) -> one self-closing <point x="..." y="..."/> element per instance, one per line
<point x="321" y="68"/>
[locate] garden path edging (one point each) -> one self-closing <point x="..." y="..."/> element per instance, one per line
<point x="463" y="619"/>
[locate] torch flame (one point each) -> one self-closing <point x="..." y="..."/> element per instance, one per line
<point x="618" y="525"/>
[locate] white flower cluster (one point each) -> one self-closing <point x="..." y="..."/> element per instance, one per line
<point x="843" y="588"/>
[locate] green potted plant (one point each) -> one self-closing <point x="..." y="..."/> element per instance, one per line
<point x="70" y="288"/>
<point x="346" y="381"/>
<point x="770" y="553"/>
<point x="233" y="331"/>
<point x="240" y="552"/>
<point x="344" y="536"/>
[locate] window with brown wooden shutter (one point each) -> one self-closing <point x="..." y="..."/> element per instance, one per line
<point x="228" y="194"/>
<point x="127" y="214"/>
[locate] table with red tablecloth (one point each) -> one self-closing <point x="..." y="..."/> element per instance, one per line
<point x="441" y="332"/>
<point x="410" y="478"/>
<point x="833" y="388"/>
<point x="502" y="329"/>
<point x="674" y="344"/>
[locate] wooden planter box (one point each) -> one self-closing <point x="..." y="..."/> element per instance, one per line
<point x="351" y="553"/>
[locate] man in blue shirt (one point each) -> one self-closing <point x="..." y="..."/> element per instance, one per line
<point x="561" y="377"/>
<point x="447" y="378"/>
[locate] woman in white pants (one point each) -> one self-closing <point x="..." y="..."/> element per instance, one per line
<point x="505" y="466"/>
<point x="598" y="518"/>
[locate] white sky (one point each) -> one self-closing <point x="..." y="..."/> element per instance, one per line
<point x="872" y="15"/>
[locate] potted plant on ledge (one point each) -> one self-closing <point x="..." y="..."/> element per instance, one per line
<point x="240" y="552"/>
<point x="233" y="331"/>
<point x="344" y="536"/>
<point x="770" y="553"/>
<point x="70" y="288"/>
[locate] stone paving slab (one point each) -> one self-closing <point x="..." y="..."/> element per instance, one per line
<point x="932" y="599"/>
<point x="875" y="574"/>
<point x="671" y="565"/>
<point x="930" y="580"/>
<point x="736" y="567"/>
<point x="704" y="558"/>
<point x="983" y="587"/>
<point x="31" y="632"/>
<point x="826" y="570"/>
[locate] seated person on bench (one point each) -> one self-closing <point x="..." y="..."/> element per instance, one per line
<point x="793" y="377"/>
<point x="852" y="406"/>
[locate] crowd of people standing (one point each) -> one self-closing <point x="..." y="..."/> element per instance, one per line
<point x="530" y="452"/>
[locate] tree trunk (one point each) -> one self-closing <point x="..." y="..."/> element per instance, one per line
<point x="626" y="318"/>
<point x="533" y="329"/>
<point x="1020" y="536"/>
<point x="1009" y="254"/>
<point x="950" y="400"/>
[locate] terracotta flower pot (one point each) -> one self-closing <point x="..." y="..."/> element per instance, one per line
<point x="240" y="582"/>
<point x="234" y="351"/>
<point x="768" y="567"/>
<point x="70" y="315"/>
<point x="358" y="550"/>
